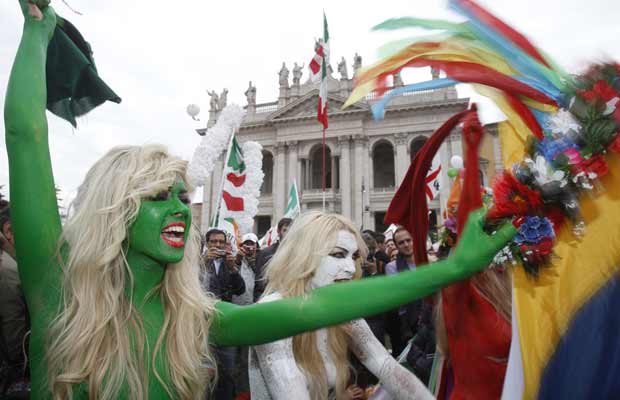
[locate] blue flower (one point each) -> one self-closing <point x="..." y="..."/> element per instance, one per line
<point x="551" y="148"/>
<point x="533" y="230"/>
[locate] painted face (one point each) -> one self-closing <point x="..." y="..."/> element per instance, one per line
<point x="162" y="225"/>
<point x="339" y="265"/>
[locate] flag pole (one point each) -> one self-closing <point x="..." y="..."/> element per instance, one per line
<point x="216" y="220"/>
<point x="324" y="174"/>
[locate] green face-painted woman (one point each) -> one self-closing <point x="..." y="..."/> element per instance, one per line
<point x="115" y="303"/>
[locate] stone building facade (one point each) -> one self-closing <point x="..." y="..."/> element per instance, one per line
<point x="366" y="159"/>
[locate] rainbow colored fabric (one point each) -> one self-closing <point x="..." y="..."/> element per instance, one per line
<point x="566" y="322"/>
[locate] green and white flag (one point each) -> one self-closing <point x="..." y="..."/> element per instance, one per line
<point x="292" y="207"/>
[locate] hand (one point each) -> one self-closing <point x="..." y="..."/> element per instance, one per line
<point x="476" y="249"/>
<point x="39" y="12"/>
<point x="240" y="255"/>
<point x="230" y="261"/>
<point x="354" y="392"/>
<point x="213" y="253"/>
<point x="371" y="267"/>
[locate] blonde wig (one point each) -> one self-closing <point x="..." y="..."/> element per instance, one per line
<point x="312" y="236"/>
<point x="98" y="337"/>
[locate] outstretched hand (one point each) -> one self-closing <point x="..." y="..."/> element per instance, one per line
<point x="476" y="248"/>
<point x="40" y="13"/>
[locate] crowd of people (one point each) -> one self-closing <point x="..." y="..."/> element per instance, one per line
<point x="128" y="300"/>
<point x="238" y="271"/>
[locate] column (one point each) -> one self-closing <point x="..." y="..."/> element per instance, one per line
<point x="369" y="184"/>
<point x="358" y="179"/>
<point x="302" y="174"/>
<point x="456" y="142"/>
<point x="402" y="157"/>
<point x="345" y="176"/>
<point x="279" y="191"/>
<point x="293" y="162"/>
<point x="445" y="183"/>
<point x="497" y="152"/>
<point x="334" y="172"/>
<point x="308" y="173"/>
<point x="370" y="171"/>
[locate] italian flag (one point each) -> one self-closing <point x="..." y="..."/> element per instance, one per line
<point x="233" y="178"/>
<point x="318" y="70"/>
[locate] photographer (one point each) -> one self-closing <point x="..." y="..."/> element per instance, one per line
<point x="221" y="278"/>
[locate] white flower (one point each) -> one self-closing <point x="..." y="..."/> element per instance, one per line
<point x="610" y="106"/>
<point x="544" y="173"/>
<point x="561" y="122"/>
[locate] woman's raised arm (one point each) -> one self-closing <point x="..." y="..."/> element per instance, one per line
<point x="338" y="303"/>
<point x="34" y="211"/>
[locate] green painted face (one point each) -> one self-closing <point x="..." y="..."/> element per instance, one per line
<point x="162" y="226"/>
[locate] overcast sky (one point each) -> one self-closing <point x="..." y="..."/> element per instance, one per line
<point x="159" y="56"/>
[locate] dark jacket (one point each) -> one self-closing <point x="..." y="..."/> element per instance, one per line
<point x="262" y="258"/>
<point x="224" y="284"/>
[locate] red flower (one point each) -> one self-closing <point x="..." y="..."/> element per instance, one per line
<point x="615" y="144"/>
<point x="512" y="198"/>
<point x="557" y="218"/>
<point x="600" y="90"/>
<point x="596" y="164"/>
<point x="537" y="253"/>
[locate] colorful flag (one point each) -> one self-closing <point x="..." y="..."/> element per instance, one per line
<point x="565" y="323"/>
<point x="232" y="204"/>
<point x="234" y="178"/>
<point x="318" y="71"/>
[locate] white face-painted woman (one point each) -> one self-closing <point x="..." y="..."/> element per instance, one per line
<point x="320" y="250"/>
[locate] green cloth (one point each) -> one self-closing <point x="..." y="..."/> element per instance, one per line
<point x="73" y="85"/>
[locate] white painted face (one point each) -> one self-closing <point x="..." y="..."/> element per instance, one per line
<point x="339" y="265"/>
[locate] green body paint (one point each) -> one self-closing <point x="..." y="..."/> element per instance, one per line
<point x="37" y="228"/>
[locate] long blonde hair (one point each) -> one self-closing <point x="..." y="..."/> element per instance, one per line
<point x="98" y="337"/>
<point x="311" y="237"/>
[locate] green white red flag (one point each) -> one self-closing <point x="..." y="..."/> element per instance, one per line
<point x="241" y="180"/>
<point x="318" y="70"/>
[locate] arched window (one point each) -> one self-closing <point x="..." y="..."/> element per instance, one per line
<point x="416" y="145"/>
<point x="383" y="165"/>
<point x="317" y="167"/>
<point x="267" y="186"/>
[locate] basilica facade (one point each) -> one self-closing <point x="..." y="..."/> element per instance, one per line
<point x="366" y="158"/>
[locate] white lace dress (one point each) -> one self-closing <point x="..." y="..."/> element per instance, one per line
<point x="274" y="375"/>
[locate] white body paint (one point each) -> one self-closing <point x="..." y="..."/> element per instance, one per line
<point x="274" y="374"/>
<point x="331" y="268"/>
